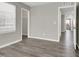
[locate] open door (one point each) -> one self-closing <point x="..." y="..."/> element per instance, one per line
<point x="24" y="18"/>
<point x="77" y="26"/>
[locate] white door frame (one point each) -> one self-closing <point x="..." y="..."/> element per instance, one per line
<point x="27" y="21"/>
<point x="75" y="26"/>
<point x="59" y="21"/>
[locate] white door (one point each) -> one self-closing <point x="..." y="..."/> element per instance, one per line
<point x="24" y="21"/>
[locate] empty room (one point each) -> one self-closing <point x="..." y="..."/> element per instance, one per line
<point x="39" y="29"/>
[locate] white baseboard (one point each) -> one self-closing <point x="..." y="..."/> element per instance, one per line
<point x="5" y="45"/>
<point x="43" y="38"/>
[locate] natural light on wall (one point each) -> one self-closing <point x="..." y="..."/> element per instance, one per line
<point x="7" y="18"/>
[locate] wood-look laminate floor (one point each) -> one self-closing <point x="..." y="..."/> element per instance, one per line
<point x="41" y="48"/>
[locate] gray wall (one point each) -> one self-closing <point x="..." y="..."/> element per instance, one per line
<point x="14" y="36"/>
<point x="44" y="20"/>
<point x="62" y="23"/>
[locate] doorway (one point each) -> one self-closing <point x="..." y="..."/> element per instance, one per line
<point x="67" y="18"/>
<point x="24" y="22"/>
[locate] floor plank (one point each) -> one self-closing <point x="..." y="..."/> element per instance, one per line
<point x="40" y="48"/>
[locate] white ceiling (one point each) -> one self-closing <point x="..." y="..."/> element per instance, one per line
<point x="31" y="4"/>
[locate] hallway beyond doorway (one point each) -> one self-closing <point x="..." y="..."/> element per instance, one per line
<point x="67" y="38"/>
